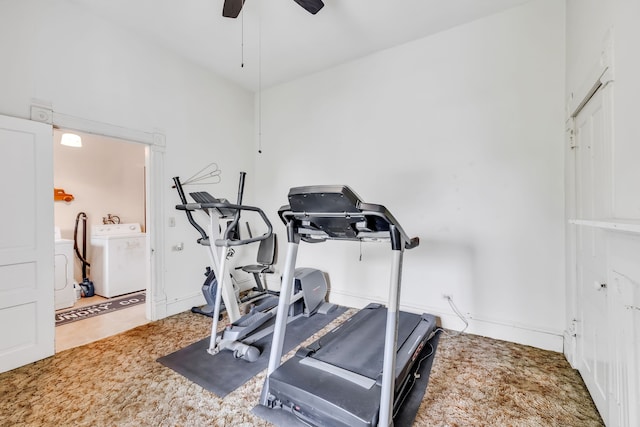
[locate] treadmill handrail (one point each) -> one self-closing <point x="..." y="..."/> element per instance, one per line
<point x="227" y="241"/>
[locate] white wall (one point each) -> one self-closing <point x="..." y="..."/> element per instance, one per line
<point x="460" y="135"/>
<point x="85" y="67"/>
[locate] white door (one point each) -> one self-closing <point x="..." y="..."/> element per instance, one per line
<point x="624" y="306"/>
<point x="26" y="242"/>
<point x="591" y="147"/>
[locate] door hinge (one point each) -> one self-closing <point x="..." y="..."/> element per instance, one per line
<point x="572" y="139"/>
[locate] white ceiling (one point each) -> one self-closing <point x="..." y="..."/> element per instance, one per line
<point x="277" y="40"/>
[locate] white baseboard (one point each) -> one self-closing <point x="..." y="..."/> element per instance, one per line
<point x="184" y="304"/>
<point x="156" y="310"/>
<point x="521" y="334"/>
<point x="570" y="349"/>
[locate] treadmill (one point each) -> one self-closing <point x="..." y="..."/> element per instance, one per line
<point x="359" y="373"/>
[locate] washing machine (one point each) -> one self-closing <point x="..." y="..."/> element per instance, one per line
<point x="118" y="259"/>
<point x="64" y="293"/>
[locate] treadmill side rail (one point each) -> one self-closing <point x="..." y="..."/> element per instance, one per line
<point x="357" y="379"/>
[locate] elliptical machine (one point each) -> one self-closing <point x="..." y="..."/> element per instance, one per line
<point x="310" y="286"/>
<point x="211" y="283"/>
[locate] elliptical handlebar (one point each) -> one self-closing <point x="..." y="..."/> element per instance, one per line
<point x="228" y="239"/>
<point x="183" y="199"/>
<point x="241" y="187"/>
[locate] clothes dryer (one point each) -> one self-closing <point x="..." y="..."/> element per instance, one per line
<point x="64" y="294"/>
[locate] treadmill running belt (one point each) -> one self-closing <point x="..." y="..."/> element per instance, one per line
<point x="360" y="348"/>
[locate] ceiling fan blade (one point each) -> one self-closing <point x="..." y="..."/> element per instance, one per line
<point x="232" y="8"/>
<point x="311" y="6"/>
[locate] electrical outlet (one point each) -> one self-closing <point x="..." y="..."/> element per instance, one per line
<point x="447" y="296"/>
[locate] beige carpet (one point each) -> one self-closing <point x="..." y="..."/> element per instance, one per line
<point x="475" y="381"/>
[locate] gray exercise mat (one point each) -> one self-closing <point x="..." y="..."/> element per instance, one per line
<point x="222" y="373"/>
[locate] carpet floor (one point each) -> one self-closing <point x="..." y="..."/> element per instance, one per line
<point x="474" y="381"/>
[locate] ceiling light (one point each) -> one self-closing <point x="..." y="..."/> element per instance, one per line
<point x="71" y="140"/>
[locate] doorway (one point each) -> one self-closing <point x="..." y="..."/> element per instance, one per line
<point x="104" y="179"/>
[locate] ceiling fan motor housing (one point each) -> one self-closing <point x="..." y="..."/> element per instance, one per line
<point x="232" y="8"/>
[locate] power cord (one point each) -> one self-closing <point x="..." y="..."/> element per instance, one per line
<point x="459" y="314"/>
<point x="416" y="375"/>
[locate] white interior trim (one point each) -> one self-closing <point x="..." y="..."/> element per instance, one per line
<point x="45" y="114"/>
<point x="612" y="224"/>
<point x="156" y="307"/>
<point x="519" y="333"/>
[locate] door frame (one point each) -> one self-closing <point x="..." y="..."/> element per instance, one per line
<point x="155" y="143"/>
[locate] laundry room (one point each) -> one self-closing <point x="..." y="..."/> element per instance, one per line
<point x="100" y="232"/>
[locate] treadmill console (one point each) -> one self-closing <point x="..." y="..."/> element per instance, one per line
<point x="324" y="198"/>
<point x="323" y="212"/>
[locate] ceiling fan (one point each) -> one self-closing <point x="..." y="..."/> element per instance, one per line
<point x="232" y="8"/>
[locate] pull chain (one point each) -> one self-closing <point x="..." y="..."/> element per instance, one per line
<point x="242" y="38"/>
<point x="260" y="82"/>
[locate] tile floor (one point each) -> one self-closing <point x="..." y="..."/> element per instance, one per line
<point x="96" y="328"/>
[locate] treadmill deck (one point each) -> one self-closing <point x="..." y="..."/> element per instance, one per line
<point x="358" y="344"/>
<point x="324" y="392"/>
